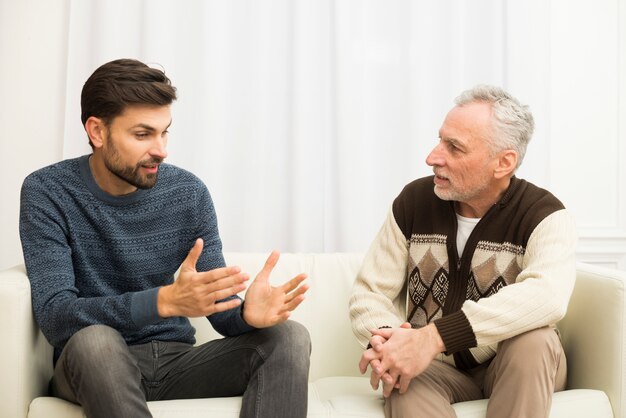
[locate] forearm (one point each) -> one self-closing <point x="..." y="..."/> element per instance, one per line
<point x="375" y="299"/>
<point x="538" y="298"/>
<point x="65" y="314"/>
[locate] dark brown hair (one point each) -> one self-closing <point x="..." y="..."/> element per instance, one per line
<point x="120" y="83"/>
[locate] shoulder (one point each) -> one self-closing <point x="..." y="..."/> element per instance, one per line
<point x="55" y="173"/>
<point x="178" y="184"/>
<point x="172" y="176"/>
<point x="54" y="180"/>
<point x="531" y="199"/>
<point x="521" y="210"/>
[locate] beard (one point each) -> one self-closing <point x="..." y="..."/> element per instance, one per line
<point x="461" y="194"/>
<point x="130" y="174"/>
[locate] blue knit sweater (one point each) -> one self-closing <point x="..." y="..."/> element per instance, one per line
<point x="93" y="258"/>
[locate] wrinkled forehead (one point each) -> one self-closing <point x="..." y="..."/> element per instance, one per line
<point x="468" y="122"/>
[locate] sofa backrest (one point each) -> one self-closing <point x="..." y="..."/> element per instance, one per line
<point x="324" y="312"/>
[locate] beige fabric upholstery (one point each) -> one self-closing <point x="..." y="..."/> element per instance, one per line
<point x="593" y="333"/>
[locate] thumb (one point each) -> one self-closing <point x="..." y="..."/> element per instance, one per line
<point x="192" y="258"/>
<point x="270" y="263"/>
<point x="406" y="325"/>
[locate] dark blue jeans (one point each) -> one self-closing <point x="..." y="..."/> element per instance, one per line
<point x="269" y="367"/>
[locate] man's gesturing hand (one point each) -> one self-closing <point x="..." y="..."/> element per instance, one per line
<point x="196" y="293"/>
<point x="267" y="305"/>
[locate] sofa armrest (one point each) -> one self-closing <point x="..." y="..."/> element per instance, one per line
<point x="26" y="359"/>
<point x="594" y="332"/>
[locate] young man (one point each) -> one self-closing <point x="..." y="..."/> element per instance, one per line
<point x="459" y="293"/>
<point x="103" y="235"/>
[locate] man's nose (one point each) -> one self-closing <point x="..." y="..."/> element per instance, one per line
<point x="159" y="148"/>
<point x="436" y="156"/>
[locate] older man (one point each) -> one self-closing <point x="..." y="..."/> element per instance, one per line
<point x="459" y="293"/>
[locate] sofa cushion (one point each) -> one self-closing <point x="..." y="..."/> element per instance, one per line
<point x="337" y="397"/>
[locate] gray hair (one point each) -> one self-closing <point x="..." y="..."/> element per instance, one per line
<point x="513" y="123"/>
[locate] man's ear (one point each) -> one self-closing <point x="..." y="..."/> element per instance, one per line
<point x="96" y="130"/>
<point x="507" y="163"/>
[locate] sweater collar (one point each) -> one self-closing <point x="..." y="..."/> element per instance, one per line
<point x="510" y="191"/>
<point x="90" y="182"/>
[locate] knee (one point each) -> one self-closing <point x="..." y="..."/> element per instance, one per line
<point x="296" y="335"/>
<point x="535" y="341"/>
<point x="542" y="345"/>
<point x="95" y="341"/>
<point x="397" y="405"/>
<point x="291" y="334"/>
<point x="291" y="340"/>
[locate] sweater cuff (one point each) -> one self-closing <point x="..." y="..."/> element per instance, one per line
<point x="143" y="307"/>
<point x="240" y="325"/>
<point x="456" y="332"/>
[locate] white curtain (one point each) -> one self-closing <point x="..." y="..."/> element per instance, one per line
<point x="305" y="118"/>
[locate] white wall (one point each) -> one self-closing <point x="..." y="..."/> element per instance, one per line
<point x="570" y="68"/>
<point x="588" y="122"/>
<point x="32" y="82"/>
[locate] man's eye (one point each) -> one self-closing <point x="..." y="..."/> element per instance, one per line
<point x="141" y="135"/>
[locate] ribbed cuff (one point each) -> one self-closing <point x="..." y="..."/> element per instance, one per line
<point x="143" y="307"/>
<point x="456" y="332"/>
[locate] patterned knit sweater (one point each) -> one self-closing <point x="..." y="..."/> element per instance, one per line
<point x="516" y="273"/>
<point x="93" y="258"/>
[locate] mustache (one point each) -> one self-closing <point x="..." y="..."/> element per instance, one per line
<point x="152" y="160"/>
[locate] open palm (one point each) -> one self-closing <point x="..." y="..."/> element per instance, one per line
<point x="266" y="305"/>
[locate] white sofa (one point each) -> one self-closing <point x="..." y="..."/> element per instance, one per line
<point x="593" y="334"/>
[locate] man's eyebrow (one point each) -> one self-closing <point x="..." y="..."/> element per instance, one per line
<point x="148" y="127"/>
<point x="143" y="126"/>
<point x="453" y="141"/>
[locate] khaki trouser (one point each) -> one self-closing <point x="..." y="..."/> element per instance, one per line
<point x="519" y="382"/>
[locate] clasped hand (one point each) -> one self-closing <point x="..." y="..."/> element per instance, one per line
<point x="397" y="355"/>
<point x="196" y="294"/>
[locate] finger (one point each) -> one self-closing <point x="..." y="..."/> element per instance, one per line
<point x="293" y="283"/>
<point x="189" y="264"/>
<point x="292" y="305"/>
<point x="215" y="275"/>
<point x="223" y="306"/>
<point x="389" y="382"/>
<point x="298" y="292"/>
<point x="406" y="325"/>
<point x="377" y="366"/>
<point x="368" y="356"/>
<point x="404" y="384"/>
<point x="269" y="265"/>
<point x="363" y="363"/>
<point x="387" y="389"/>
<point x="383" y="332"/>
<point x="377" y="342"/>
<point x="224" y="283"/>
<point x="388" y="379"/>
<point x="220" y="295"/>
<point x="374" y="380"/>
